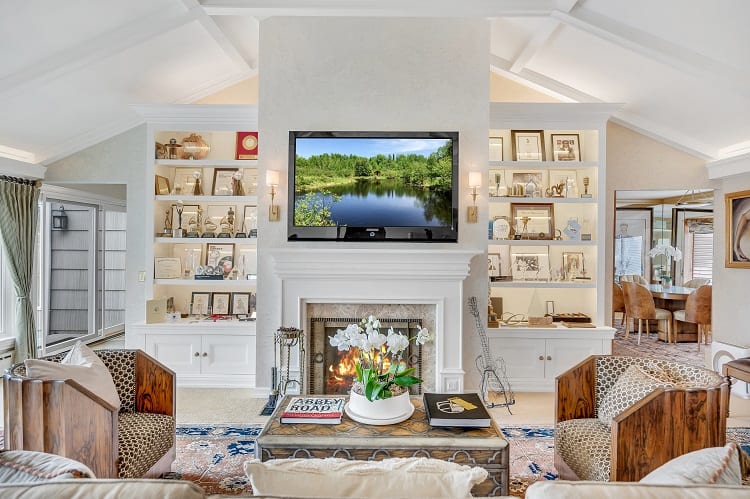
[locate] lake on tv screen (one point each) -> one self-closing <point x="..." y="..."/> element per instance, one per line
<point x="373" y="182"/>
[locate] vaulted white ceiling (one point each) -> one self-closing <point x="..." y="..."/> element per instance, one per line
<point x="71" y="69"/>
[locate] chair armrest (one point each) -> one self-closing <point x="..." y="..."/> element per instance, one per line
<point x="154" y="385"/>
<point x="61" y="417"/>
<point x="574" y="389"/>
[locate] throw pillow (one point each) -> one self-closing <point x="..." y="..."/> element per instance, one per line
<point x="632" y="385"/>
<point x="714" y="465"/>
<point x="83" y="366"/>
<point x="338" y="478"/>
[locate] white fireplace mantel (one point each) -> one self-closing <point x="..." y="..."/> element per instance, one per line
<point x="385" y="276"/>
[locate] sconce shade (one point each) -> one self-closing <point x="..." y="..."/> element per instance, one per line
<point x="475" y="179"/>
<point x="272" y="178"/>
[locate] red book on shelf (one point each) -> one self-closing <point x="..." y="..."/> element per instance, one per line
<point x="312" y="409"/>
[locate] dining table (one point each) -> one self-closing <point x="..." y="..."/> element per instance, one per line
<point x="673" y="298"/>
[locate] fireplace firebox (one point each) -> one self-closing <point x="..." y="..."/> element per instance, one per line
<point x="332" y="371"/>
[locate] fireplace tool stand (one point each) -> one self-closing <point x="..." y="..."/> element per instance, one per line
<point x="494" y="385"/>
<point x="286" y="339"/>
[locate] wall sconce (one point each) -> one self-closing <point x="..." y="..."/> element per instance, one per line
<point x="475" y="182"/>
<point x="272" y="181"/>
<point x="59" y="219"/>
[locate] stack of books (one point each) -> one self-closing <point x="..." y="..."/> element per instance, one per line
<point x="456" y="409"/>
<point x="312" y="409"/>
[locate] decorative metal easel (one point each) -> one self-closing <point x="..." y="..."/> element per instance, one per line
<point x="494" y="385"/>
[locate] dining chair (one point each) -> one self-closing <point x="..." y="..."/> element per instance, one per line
<point x="697" y="282"/>
<point x="697" y="311"/>
<point x="618" y="304"/>
<point x="639" y="304"/>
<point x="634" y="278"/>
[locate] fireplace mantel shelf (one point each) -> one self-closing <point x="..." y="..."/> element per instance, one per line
<point x="373" y="263"/>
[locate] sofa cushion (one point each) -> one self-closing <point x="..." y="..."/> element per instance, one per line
<point x="705" y="466"/>
<point x="337" y="478"/>
<point x="81" y="365"/>
<point x="633" y="384"/>
<point x="31" y="466"/>
<point x="561" y="489"/>
<point x="143" y="439"/>
<point x="584" y="445"/>
<point x="103" y="489"/>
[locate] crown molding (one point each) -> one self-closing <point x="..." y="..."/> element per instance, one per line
<point x="728" y="167"/>
<point x="15" y="168"/>
<point x="213" y="116"/>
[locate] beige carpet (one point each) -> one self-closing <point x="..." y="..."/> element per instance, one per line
<point x="219" y="406"/>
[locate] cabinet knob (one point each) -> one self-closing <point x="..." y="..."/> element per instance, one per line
<point x="205" y="354"/>
<point x="541" y="357"/>
<point x="196" y="354"/>
<point x="549" y="357"/>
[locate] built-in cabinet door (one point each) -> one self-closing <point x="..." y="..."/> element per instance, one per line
<point x="563" y="354"/>
<point x="222" y="354"/>
<point x="524" y="357"/>
<point x="179" y="352"/>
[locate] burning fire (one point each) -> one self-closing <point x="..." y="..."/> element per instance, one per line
<point x="341" y="375"/>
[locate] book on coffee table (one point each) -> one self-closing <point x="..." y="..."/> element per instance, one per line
<point x="311" y="409"/>
<point x="456" y="409"/>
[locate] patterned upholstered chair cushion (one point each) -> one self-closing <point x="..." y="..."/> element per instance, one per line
<point x="635" y="383"/>
<point x="584" y="445"/>
<point x="143" y="439"/>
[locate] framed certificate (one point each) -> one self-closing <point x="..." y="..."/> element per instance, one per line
<point x="167" y="268"/>
<point x="220" y="303"/>
<point x="247" y="145"/>
<point x="533" y="221"/>
<point x="528" y="145"/>
<point x="241" y="303"/>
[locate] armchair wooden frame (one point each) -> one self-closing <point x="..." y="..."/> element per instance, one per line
<point x="62" y="417"/>
<point x="661" y="426"/>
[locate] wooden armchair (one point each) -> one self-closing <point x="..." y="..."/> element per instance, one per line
<point x="664" y="424"/>
<point x="64" y="418"/>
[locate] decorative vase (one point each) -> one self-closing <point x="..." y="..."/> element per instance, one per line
<point x="379" y="412"/>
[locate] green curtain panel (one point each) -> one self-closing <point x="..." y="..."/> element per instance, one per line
<point x="18" y="219"/>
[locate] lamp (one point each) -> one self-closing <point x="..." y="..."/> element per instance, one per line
<point x="272" y="181"/>
<point x="59" y="219"/>
<point x="475" y="181"/>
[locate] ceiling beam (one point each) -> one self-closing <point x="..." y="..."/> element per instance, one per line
<point x="675" y="56"/>
<point x="539" y="40"/>
<point x="383" y="8"/>
<point x="218" y="35"/>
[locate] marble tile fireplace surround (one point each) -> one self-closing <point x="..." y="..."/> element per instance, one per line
<point x="421" y="283"/>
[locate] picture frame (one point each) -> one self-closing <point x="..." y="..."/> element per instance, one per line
<point x="199" y="302"/>
<point x="220" y="303"/>
<point x="530" y="263"/>
<point x="247" y="145"/>
<point x="161" y="185"/>
<point x="497" y="184"/>
<point x="737" y="229"/>
<point x="633" y="240"/>
<point x="493" y="265"/>
<point x="167" y="268"/>
<point x="250" y="181"/>
<point x="574" y="264"/>
<point x="223" y="178"/>
<point x="184" y="180"/>
<point x="533" y="183"/>
<point x="533" y="220"/>
<point x="570" y="189"/>
<point x="250" y="220"/>
<point x="528" y="145"/>
<point x="241" y="303"/>
<point x="566" y="147"/>
<point x="221" y="255"/>
<point x="496" y="149"/>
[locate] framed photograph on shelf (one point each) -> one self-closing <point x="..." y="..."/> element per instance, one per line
<point x="573" y="264"/>
<point x="533" y="221"/>
<point x="184" y="180"/>
<point x="241" y="303"/>
<point x="568" y="179"/>
<point x="566" y="147"/>
<point x="530" y="263"/>
<point x="497" y="185"/>
<point x="161" y="185"/>
<point x="223" y="178"/>
<point x="167" y="268"/>
<point x="221" y="255"/>
<point x="528" y="145"/>
<point x="199" y="302"/>
<point x="250" y="220"/>
<point x="496" y="148"/>
<point x="247" y="145"/>
<point x="738" y="229"/>
<point x="493" y="265"/>
<point x="220" y="303"/>
<point x="532" y="182"/>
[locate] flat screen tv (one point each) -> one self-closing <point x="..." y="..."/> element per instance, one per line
<point x="373" y="186"/>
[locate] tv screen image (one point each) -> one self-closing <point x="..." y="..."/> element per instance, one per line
<point x="373" y="186"/>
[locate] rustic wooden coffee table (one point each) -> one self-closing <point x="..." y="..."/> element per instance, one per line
<point x="483" y="447"/>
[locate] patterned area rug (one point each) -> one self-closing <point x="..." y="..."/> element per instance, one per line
<point x="655" y="349"/>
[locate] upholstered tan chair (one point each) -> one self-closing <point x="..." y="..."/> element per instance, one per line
<point x="697" y="282"/>
<point x="633" y="278"/>
<point x="639" y="304"/>
<point x="64" y="418"/>
<point x="612" y="424"/>
<point x="618" y="304"/>
<point x="698" y="311"/>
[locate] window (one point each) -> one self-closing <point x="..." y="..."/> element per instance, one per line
<point x="703" y="250"/>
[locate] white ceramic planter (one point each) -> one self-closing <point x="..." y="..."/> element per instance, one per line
<point x="384" y="411"/>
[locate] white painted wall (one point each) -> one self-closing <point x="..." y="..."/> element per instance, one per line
<point x="370" y="74"/>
